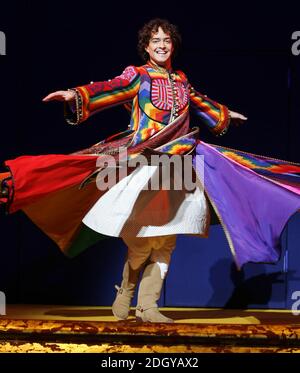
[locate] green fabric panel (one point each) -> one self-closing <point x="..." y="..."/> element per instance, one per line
<point x="85" y="238"/>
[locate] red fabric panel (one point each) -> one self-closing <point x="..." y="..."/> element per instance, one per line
<point x="36" y="176"/>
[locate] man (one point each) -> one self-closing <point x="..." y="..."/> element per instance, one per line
<point x="158" y="40"/>
<point x="159" y="99"/>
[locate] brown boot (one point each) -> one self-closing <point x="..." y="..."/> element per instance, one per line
<point x="121" y="305"/>
<point x="149" y="293"/>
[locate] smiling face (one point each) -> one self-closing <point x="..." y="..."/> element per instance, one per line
<point x="160" y="48"/>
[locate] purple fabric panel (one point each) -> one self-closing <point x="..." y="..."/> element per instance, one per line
<point x="253" y="209"/>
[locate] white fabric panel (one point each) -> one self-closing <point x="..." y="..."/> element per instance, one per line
<point x="122" y="208"/>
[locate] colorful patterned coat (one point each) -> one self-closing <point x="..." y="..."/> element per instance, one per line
<point x="253" y="196"/>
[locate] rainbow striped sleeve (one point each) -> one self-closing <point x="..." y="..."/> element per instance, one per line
<point x="213" y="114"/>
<point x="98" y="96"/>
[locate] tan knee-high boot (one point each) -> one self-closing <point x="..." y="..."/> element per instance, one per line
<point x="125" y="293"/>
<point x="149" y="293"/>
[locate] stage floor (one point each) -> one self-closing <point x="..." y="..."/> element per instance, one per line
<point x="57" y="328"/>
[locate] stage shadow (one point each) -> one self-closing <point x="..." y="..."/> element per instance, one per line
<point x="254" y="286"/>
<point x="201" y="316"/>
<point x="84" y="313"/>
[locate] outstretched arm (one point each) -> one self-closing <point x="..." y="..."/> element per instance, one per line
<point x="216" y="116"/>
<point x="236" y="118"/>
<point x="61" y="96"/>
<point x="84" y="101"/>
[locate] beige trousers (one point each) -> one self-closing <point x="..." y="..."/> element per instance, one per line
<point x="157" y="249"/>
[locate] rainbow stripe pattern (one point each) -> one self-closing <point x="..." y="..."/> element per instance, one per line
<point x="148" y="94"/>
<point x="265" y="166"/>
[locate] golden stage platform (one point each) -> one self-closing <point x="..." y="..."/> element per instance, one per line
<point x="41" y="328"/>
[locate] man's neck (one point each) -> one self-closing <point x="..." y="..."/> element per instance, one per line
<point x="167" y="66"/>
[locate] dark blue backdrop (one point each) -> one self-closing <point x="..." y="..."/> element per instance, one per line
<point x="238" y="55"/>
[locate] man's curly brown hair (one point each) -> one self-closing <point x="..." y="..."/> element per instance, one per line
<point x="151" y="27"/>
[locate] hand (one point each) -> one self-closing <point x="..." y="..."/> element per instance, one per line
<point x="237" y="118"/>
<point x="60" y="96"/>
